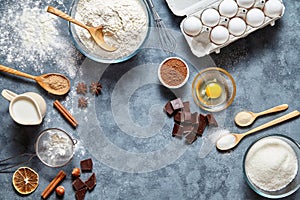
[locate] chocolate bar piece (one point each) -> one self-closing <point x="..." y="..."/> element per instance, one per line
<point x="195" y="119"/>
<point x="78" y="184"/>
<point x="187" y="117"/>
<point x="202" y="125"/>
<point x="80" y="194"/>
<point x="187" y="128"/>
<point x="190" y="138"/>
<point x="186" y="106"/>
<point x="177" y="130"/>
<point x="86" y="165"/>
<point x="176" y="104"/>
<point x="91" y="182"/>
<point x="179" y="117"/>
<point x="211" y="120"/>
<point x="168" y="108"/>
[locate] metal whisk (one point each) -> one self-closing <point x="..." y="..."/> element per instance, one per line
<point x="166" y="38"/>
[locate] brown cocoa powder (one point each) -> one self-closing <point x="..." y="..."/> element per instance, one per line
<point x="173" y="72"/>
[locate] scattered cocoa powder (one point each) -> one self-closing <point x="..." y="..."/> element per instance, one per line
<point x="173" y="72"/>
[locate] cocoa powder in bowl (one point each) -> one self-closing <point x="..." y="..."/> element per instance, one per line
<point x="173" y="72"/>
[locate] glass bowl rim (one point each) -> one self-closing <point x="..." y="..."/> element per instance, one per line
<point x="260" y="191"/>
<point x="217" y="69"/>
<point x="104" y="60"/>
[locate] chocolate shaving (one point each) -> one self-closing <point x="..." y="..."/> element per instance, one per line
<point x="78" y="184"/>
<point x="179" y="117"/>
<point x="177" y="130"/>
<point x="86" y="165"/>
<point x="190" y="138"/>
<point x="211" y="120"/>
<point x="169" y="109"/>
<point x="91" y="182"/>
<point x="176" y="104"/>
<point x="202" y="124"/>
<point x="80" y="194"/>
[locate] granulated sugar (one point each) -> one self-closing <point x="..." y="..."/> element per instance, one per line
<point x="31" y="37"/>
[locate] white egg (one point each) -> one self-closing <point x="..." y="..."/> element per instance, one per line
<point x="273" y="8"/>
<point x="255" y="17"/>
<point x="210" y="17"/>
<point x="245" y="3"/>
<point x="228" y="8"/>
<point x="219" y="35"/>
<point x="192" y="26"/>
<point x="237" y="26"/>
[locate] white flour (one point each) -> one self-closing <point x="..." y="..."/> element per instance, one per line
<point x="271" y="164"/>
<point x="126" y="20"/>
<point x="30" y="37"/>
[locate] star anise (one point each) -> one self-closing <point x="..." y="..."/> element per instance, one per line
<point x="95" y="88"/>
<point x="82" y="102"/>
<point x="81" y="88"/>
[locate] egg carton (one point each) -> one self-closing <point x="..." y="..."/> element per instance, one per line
<point x="213" y="24"/>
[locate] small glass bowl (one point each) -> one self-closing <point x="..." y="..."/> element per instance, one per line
<point x="97" y="57"/>
<point x="213" y="75"/>
<point x="291" y="187"/>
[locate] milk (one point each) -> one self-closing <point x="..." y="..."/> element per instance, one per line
<point x="25" y="111"/>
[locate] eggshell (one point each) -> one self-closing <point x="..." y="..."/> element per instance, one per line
<point x="192" y="26"/>
<point x="219" y="35"/>
<point x="210" y="17"/>
<point x="255" y="17"/>
<point x="273" y="8"/>
<point x="236" y="26"/>
<point x="245" y="3"/>
<point x="228" y="8"/>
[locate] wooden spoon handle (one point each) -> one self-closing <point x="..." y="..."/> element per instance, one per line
<point x="16" y="72"/>
<point x="274" y="109"/>
<point x="274" y="122"/>
<point x="63" y="15"/>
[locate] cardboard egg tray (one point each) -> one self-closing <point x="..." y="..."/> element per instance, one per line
<point x="202" y="44"/>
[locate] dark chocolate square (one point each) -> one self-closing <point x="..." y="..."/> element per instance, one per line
<point x="179" y="117"/>
<point x="177" y="130"/>
<point x="187" y="117"/>
<point x="195" y="118"/>
<point x="187" y="128"/>
<point x="91" y="182"/>
<point x="86" y="165"/>
<point x="78" y="184"/>
<point x="202" y="125"/>
<point x="80" y="194"/>
<point x="168" y="108"/>
<point x="177" y="104"/>
<point x="211" y="120"/>
<point x="186" y="106"/>
<point x="190" y="138"/>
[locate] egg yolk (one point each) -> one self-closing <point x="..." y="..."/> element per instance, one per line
<point x="213" y="90"/>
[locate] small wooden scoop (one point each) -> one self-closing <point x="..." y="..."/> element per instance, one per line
<point x="54" y="83"/>
<point x="96" y="32"/>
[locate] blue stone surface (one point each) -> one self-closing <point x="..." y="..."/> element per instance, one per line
<point x="124" y="129"/>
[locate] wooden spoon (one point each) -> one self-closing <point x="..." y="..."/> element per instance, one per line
<point x="54" y="83"/>
<point x="96" y="32"/>
<point x="246" y="118"/>
<point x="229" y="141"/>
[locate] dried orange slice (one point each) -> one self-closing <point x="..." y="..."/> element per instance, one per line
<point x="25" y="180"/>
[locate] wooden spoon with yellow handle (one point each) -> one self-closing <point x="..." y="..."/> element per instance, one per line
<point x="54" y="83"/>
<point x="96" y="32"/>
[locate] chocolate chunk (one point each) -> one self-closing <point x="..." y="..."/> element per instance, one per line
<point x="91" y="182"/>
<point x="186" y="106"/>
<point x="187" y="117"/>
<point x="190" y="138"/>
<point x="179" y="117"/>
<point x="187" y="128"/>
<point x="168" y="108"/>
<point x="202" y="125"/>
<point x="195" y="119"/>
<point x="80" y="194"/>
<point x="211" y="120"/>
<point x="176" y="104"/>
<point x="78" y="184"/>
<point x="177" y="130"/>
<point x="86" y="165"/>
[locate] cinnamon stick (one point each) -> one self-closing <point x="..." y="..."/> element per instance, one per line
<point x="52" y="185"/>
<point x="65" y="113"/>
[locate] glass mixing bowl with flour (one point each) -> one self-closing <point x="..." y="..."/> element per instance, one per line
<point x="125" y="26"/>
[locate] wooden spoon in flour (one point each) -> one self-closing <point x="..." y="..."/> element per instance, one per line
<point x="96" y="32"/>
<point x="54" y="83"/>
